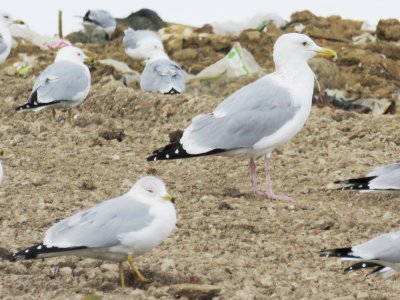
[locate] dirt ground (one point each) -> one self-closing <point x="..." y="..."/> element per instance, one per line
<point x="250" y="248"/>
<point x="228" y="243"/>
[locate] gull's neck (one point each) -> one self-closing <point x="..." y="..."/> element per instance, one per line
<point x="298" y="77"/>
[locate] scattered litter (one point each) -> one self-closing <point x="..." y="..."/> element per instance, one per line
<point x="237" y="62"/>
<point x="235" y="28"/>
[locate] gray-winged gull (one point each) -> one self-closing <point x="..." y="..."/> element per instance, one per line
<point x="96" y="20"/>
<point x="381" y="253"/>
<point x="63" y="84"/>
<point x="5" y="35"/>
<point x="258" y="117"/>
<point x="384" y="178"/>
<point x="162" y="75"/>
<point x="138" y="44"/>
<point x="117" y="230"/>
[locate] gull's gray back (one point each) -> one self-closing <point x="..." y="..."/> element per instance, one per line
<point x="132" y="37"/>
<point x="388" y="177"/>
<point x="61" y="80"/>
<point x="162" y="75"/>
<point x="3" y="45"/>
<point x="100" y="225"/>
<point x="102" y="18"/>
<point x="384" y="247"/>
<point x="251" y="113"/>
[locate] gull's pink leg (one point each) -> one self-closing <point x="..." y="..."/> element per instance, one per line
<point x="270" y="194"/>
<point x="253" y="169"/>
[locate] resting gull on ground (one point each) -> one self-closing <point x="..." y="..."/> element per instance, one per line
<point x="384" y="178"/>
<point x="5" y="35"/>
<point x="138" y="44"/>
<point x="381" y="253"/>
<point x="162" y="75"/>
<point x="99" y="20"/>
<point x="258" y="117"/>
<point x="116" y="230"/>
<point x="63" y="84"/>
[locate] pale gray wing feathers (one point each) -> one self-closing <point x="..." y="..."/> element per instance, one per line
<point x="260" y="92"/>
<point x="3" y="45"/>
<point x="60" y="81"/>
<point x="161" y="76"/>
<point x="388" y="177"/>
<point x="133" y="37"/>
<point x="248" y="115"/>
<point x="102" y="18"/>
<point x="384" y="247"/>
<point x="100" y="225"/>
<point x="239" y="130"/>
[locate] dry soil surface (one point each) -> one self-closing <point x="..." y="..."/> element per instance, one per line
<point x="250" y="248"/>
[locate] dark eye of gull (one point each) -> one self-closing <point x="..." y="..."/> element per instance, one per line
<point x="304" y="43"/>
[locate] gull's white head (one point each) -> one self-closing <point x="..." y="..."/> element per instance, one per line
<point x="296" y="47"/>
<point x="6" y="19"/>
<point x="71" y="54"/>
<point x="152" y="188"/>
<point x="156" y="55"/>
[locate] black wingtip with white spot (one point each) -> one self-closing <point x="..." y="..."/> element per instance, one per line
<point x="338" y="252"/>
<point x="364" y="265"/>
<point x="172" y="91"/>
<point x="34" y="104"/>
<point x="39" y="251"/>
<point x="356" y="184"/>
<point x="175" y="151"/>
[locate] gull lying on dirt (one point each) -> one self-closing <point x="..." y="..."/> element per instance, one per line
<point x="99" y="20"/>
<point x="162" y="75"/>
<point x="116" y="230"/>
<point x="138" y="44"/>
<point x="5" y="35"/>
<point x="381" y="253"/>
<point x="258" y="117"/>
<point x="384" y="178"/>
<point x="63" y="84"/>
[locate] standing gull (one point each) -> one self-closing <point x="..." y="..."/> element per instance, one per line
<point x="381" y="253"/>
<point x="5" y="35"/>
<point x="139" y="43"/>
<point x="384" y="178"/>
<point x="162" y="75"/>
<point x="98" y="20"/>
<point x="116" y="230"/>
<point x="258" y="117"/>
<point x="63" y="84"/>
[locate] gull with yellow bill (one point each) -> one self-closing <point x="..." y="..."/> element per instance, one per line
<point x="260" y="116"/>
<point x="118" y="229"/>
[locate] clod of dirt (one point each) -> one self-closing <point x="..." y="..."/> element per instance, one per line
<point x="388" y="29"/>
<point x="115" y="134"/>
<point x="195" y="291"/>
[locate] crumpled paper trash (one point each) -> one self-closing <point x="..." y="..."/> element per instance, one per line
<point x="42" y="41"/>
<point x="128" y="74"/>
<point x="235" y="28"/>
<point x="237" y="62"/>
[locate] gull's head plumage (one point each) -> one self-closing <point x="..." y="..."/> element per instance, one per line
<point x="156" y="55"/>
<point x="152" y="188"/>
<point x="70" y="53"/>
<point x="5" y="18"/>
<point x="294" y="47"/>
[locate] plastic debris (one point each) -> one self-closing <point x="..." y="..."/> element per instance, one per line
<point x="237" y="62"/>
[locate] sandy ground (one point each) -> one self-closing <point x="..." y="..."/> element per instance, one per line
<point x="250" y="248"/>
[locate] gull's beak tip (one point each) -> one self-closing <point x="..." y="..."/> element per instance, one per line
<point x="327" y="53"/>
